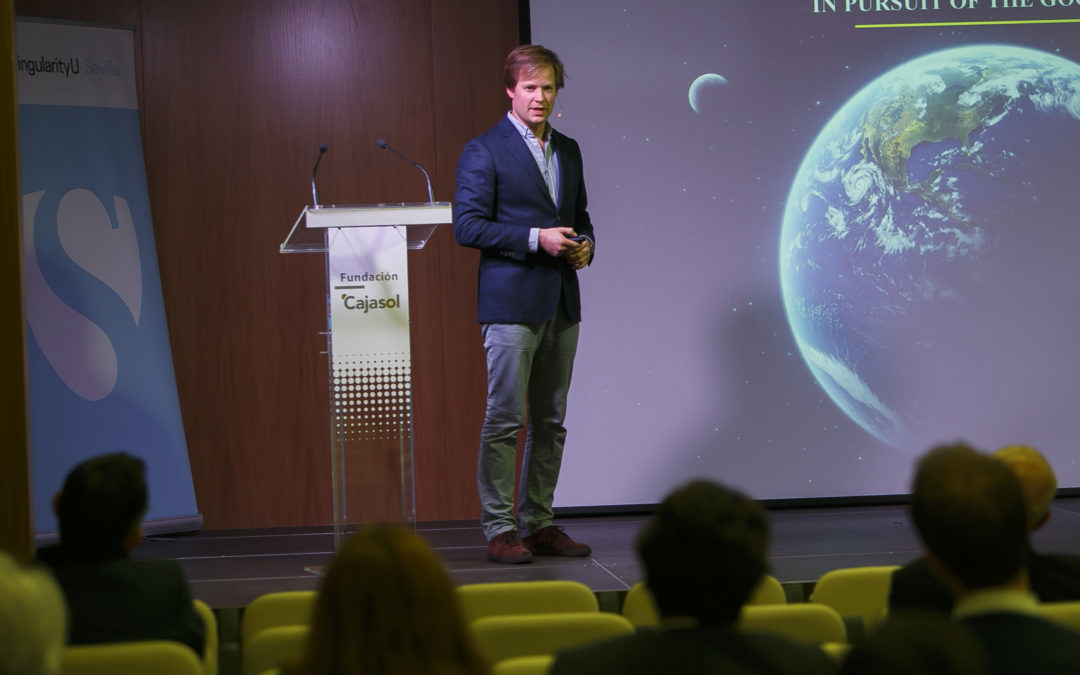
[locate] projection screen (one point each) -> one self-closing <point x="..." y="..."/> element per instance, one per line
<point x="830" y="234"/>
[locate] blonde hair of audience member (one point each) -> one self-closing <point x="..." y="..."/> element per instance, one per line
<point x="387" y="605"/>
<point x="33" y="620"/>
<point x="1037" y="480"/>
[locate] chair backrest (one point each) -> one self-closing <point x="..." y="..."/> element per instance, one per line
<point x="159" y="657"/>
<point x="210" y="651"/>
<point x="525" y="597"/>
<point x="640" y="609"/>
<point x="804" y="622"/>
<point x="524" y="665"/>
<point x="1065" y="613"/>
<point x="768" y="592"/>
<point x="284" y="608"/>
<point x="836" y="651"/>
<point x="508" y="636"/>
<point x="272" y="647"/>
<point x="861" y="592"/>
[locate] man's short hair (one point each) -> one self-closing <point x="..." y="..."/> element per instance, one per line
<point x="102" y="501"/>
<point x="969" y="510"/>
<point x="704" y="552"/>
<point x="527" y="60"/>
<point x="1037" y="479"/>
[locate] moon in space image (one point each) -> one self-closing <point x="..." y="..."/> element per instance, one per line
<point x="707" y="93"/>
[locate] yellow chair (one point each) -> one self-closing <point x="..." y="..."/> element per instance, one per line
<point x="1065" y="613"/>
<point x="525" y="597"/>
<point x="861" y="592"/>
<point x="210" y="651"/>
<point x="640" y="609"/>
<point x="524" y="665"/>
<point x="272" y="647"/>
<point x="508" y="636"/>
<point x="284" y="608"/>
<point x="804" y="622"/>
<point x="769" y="591"/>
<point x="156" y="657"/>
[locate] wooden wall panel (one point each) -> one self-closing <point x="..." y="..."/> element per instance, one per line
<point x="239" y="96"/>
<point x="236" y="96"/>
<point x="470" y="43"/>
<point x="16" y="516"/>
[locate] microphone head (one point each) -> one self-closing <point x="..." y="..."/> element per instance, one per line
<point x="382" y="143"/>
<point x="323" y="148"/>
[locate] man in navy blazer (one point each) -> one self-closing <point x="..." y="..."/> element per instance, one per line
<point x="703" y="551"/>
<point x="110" y="596"/>
<point x="1054" y="577"/>
<point x="971" y="516"/>
<point x="521" y="201"/>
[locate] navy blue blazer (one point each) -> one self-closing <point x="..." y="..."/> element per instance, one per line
<point x="1053" y="578"/>
<point x="117" y="599"/>
<point x="722" y="650"/>
<point x="1018" y="644"/>
<point x="501" y="195"/>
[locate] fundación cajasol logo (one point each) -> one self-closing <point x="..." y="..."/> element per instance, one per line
<point x="366" y="303"/>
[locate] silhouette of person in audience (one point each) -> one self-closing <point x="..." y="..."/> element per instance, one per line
<point x="1053" y="577"/>
<point x="33" y="620"/>
<point x="111" y="597"/>
<point x="918" y="642"/>
<point x="387" y="605"/>
<point x="704" y="552"/>
<point x="970" y="513"/>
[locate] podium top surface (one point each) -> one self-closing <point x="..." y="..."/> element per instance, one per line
<point x="378" y="215"/>
<point x="418" y="220"/>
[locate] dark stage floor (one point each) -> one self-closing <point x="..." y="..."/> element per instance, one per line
<point x="227" y="569"/>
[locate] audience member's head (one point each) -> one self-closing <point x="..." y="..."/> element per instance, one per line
<point x="704" y="552"/>
<point x="1037" y="480"/>
<point x="33" y="620"/>
<point x="387" y="605"/>
<point x="918" y="643"/>
<point x="102" y="503"/>
<point x="969" y="511"/>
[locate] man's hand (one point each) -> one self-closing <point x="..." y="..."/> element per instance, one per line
<point x="580" y="256"/>
<point x="554" y="242"/>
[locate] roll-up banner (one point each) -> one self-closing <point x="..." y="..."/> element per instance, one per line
<point x="99" y="361"/>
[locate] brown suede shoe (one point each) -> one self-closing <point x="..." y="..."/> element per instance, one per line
<point x="551" y="540"/>
<point x="506" y="548"/>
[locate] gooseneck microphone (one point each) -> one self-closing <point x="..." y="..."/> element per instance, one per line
<point x="386" y="146"/>
<point x="314" y="193"/>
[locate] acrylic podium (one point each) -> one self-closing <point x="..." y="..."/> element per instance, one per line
<point x="368" y="348"/>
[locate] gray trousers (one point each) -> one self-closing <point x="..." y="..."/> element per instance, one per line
<point x="527" y="364"/>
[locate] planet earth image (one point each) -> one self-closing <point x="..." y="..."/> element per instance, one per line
<point x="707" y="93"/>
<point x="930" y="251"/>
